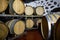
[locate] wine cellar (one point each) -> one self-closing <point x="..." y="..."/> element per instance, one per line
<point x="29" y="20"/>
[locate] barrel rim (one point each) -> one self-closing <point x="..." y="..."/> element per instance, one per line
<point x="49" y="30"/>
<point x="6" y="28"/>
<point x="49" y="27"/>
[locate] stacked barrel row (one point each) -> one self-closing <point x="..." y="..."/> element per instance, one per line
<point x="19" y="7"/>
<point x="18" y="27"/>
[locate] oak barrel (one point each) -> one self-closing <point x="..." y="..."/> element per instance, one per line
<point x="39" y="21"/>
<point x="29" y="10"/>
<point x="3" y="31"/>
<point x="45" y="28"/>
<point x="3" y="5"/>
<point x="39" y="10"/>
<point x="29" y="23"/>
<point x="57" y="30"/>
<point x="16" y="26"/>
<point x="18" y="7"/>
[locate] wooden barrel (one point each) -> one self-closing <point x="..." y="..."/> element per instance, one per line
<point x="31" y="35"/>
<point x="45" y="28"/>
<point x="57" y="16"/>
<point x="53" y="18"/>
<point x="39" y="21"/>
<point x="57" y="30"/>
<point x="18" y="7"/>
<point x="39" y="10"/>
<point x="3" y="31"/>
<point x="29" y="10"/>
<point x="16" y="26"/>
<point x="29" y="23"/>
<point x="3" y="5"/>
